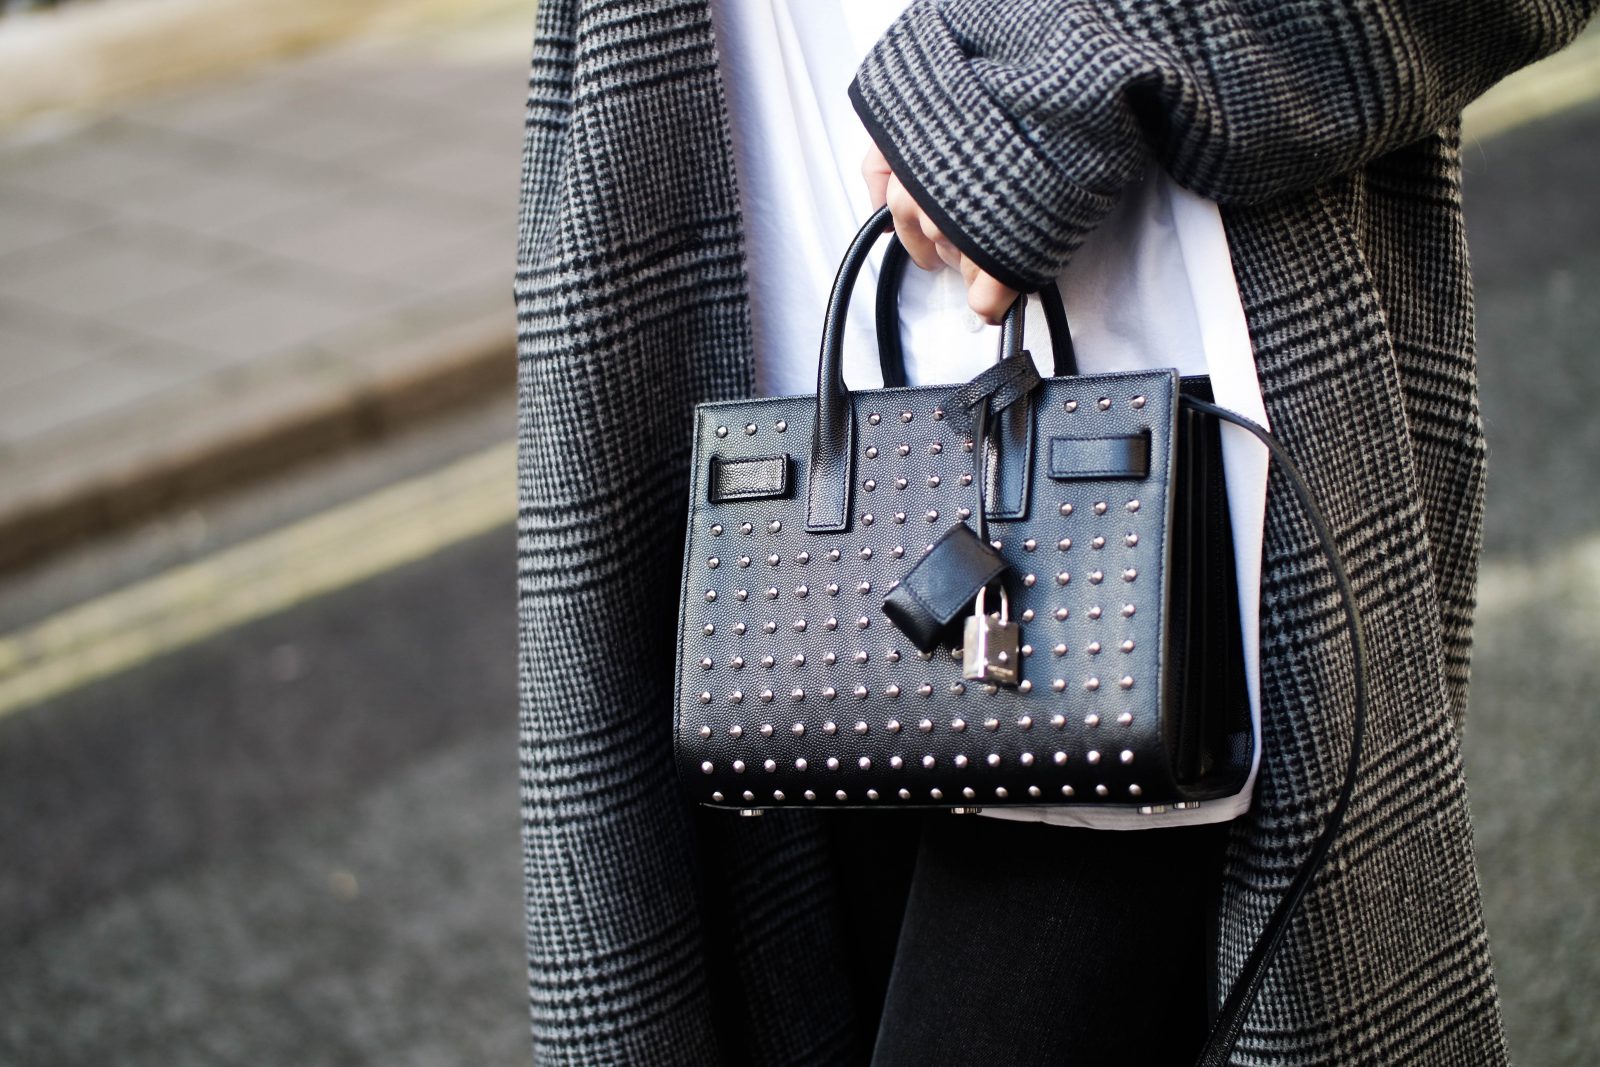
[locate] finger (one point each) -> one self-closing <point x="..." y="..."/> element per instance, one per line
<point x="988" y="298"/>
<point x="875" y="171"/>
<point x="908" y="227"/>
<point x="949" y="253"/>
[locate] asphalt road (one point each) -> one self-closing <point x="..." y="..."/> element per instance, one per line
<point x="296" y="842"/>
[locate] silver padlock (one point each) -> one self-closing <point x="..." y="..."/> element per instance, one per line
<point x="991" y="649"/>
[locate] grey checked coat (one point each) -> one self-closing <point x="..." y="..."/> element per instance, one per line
<point x="1328" y="131"/>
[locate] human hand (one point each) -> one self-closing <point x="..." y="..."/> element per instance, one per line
<point x="928" y="247"/>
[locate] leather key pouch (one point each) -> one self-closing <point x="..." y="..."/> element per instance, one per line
<point x="941" y="586"/>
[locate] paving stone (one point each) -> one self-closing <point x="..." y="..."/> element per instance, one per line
<point x="36" y="341"/>
<point x="28" y="219"/>
<point x="71" y="396"/>
<point x="103" y="155"/>
<point x="106" y="268"/>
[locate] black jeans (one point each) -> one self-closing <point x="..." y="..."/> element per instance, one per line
<point x="1031" y="944"/>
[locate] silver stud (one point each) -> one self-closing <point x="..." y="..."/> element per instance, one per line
<point x="1091" y="684"/>
<point x="1126" y="755"/>
<point x="872" y="794"/>
<point x="900" y="518"/>
<point x="1059" y="685"/>
<point x="993" y="759"/>
<point x="1131" y="540"/>
<point x="1058" y="721"/>
<point x="1137" y="402"/>
<point x="864" y="587"/>
<point x="736" y="697"/>
<point x="867" y="520"/>
<point x="991" y="688"/>
<point x="774" y="526"/>
<point x="1097" y="542"/>
<point x="840" y="794"/>
<point x="744" y="561"/>
<point x="1100" y="507"/>
<point x="1025" y="686"/>
<point x="1096" y="577"/>
<point x="938" y="414"/>
<point x="1127" y="611"/>
<point x="900" y="483"/>
<point x="892" y="692"/>
<point x="717" y="796"/>
<point x="705" y="696"/>
<point x="862" y="692"/>
<point x="801" y="764"/>
<point x="1000" y="792"/>
<point x="905" y="794"/>
<point x="1030" y="580"/>
<point x="769" y="627"/>
<point x="810" y="795"/>
<point x="1127" y="646"/>
<point x="1093" y="648"/>
<point x="1091" y="719"/>
<point x="750" y="427"/>
<point x="933" y="481"/>
<point x="802" y="591"/>
<point x="1125" y="719"/>
<point x="772" y="592"/>
<point x="1135" y="791"/>
<point x="830" y="728"/>
<point x="1095" y="612"/>
<point x="958" y="724"/>
<point x="1027" y="616"/>
<point x="891" y="656"/>
<point x="861" y="656"/>
<point x="863" y="622"/>
<point x="895" y="762"/>
<point x="1130" y="574"/>
<point x="862" y="727"/>
<point x="1092" y="756"/>
<point x="769" y="765"/>
<point x="1065" y="509"/>
<point x="780" y="426"/>
<point x="1101" y="790"/>
<point x="1029" y="545"/>
<point x="1027" y="650"/>
<point x="722" y="431"/>
<point x="932" y="516"/>
<point x="991" y="724"/>
<point x="716" y="529"/>
<point x="704" y="731"/>
<point x="738" y="766"/>
<point x="768" y="662"/>
<point x="1133" y="505"/>
<point x="1126" y="681"/>
<point x="1034" y="791"/>
<point x="874" y="418"/>
<point x="904" y="450"/>
<point x="893" y="726"/>
<point x="869" y="485"/>
<point x="766" y="696"/>
<point x="746" y="529"/>
<point x="1060" y="649"/>
<point x="1067" y="790"/>
<point x="966" y="478"/>
<point x="830" y="623"/>
<point x="772" y="560"/>
<point x="936" y="793"/>
<point x="706" y="664"/>
<point x="706" y="767"/>
<point x="935" y="448"/>
<point x="708" y="629"/>
<point x="865" y="763"/>
<point x="1059" y="758"/>
<point x="741" y="595"/>
<point x="799" y="626"/>
<point x="1071" y="405"/>
<point x="1061" y="613"/>
<point x="1104" y="403"/>
<point x="960" y="761"/>
<point x="1064" y="544"/>
<point x="713" y="563"/>
<point x="1064" y="578"/>
<point x="829" y="692"/>
<point x="872" y="451"/>
<point x="968" y="792"/>
<point x="1026" y="759"/>
<point x="905" y="416"/>
<point x="929" y="760"/>
<point x="833" y="763"/>
<point x="711" y="595"/>
<point x="926" y="726"/>
<point x="797" y="695"/>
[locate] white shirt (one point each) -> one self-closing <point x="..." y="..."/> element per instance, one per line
<point x="1153" y="287"/>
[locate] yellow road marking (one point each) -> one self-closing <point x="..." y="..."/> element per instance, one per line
<point x="1566" y="79"/>
<point x="332" y="550"/>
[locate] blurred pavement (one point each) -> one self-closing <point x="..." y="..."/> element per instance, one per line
<point x="209" y="283"/>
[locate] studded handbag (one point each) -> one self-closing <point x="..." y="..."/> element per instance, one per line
<point x="1015" y="592"/>
<point x="837" y="647"/>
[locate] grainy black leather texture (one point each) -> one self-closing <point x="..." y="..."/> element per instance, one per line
<point x="794" y="689"/>
<point x="749" y="479"/>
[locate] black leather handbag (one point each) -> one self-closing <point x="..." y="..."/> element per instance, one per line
<point x="1016" y="591"/>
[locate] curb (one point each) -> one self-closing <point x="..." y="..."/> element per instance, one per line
<point x="283" y="426"/>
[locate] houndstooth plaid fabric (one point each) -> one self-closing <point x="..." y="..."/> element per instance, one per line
<point x="1328" y="132"/>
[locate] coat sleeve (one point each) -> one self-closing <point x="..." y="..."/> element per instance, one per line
<point x="1015" y="123"/>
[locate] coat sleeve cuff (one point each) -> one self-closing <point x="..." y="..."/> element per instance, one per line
<point x="968" y="163"/>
